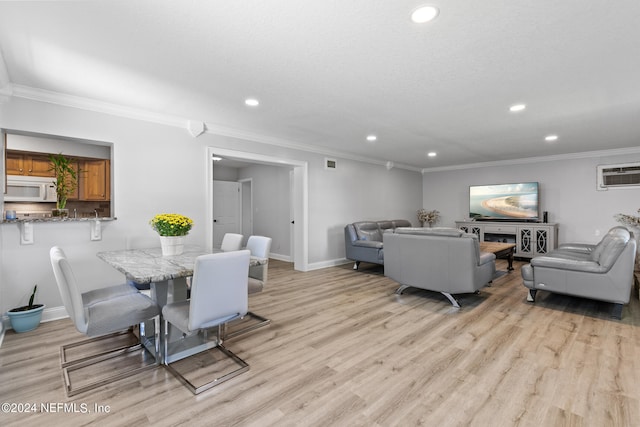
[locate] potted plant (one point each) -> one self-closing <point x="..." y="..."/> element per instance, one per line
<point x="66" y="182"/>
<point x="430" y="217"/>
<point x="633" y="224"/>
<point x="27" y="317"/>
<point x="172" y="228"/>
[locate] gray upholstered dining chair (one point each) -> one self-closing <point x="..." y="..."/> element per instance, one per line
<point x="108" y="317"/>
<point x="231" y="242"/>
<point x="260" y="246"/>
<point x="218" y="295"/>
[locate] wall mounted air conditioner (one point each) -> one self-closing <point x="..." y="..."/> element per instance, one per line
<point x="623" y="175"/>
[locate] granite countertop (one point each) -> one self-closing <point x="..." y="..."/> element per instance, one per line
<point x="50" y="219"/>
<point x="148" y="265"/>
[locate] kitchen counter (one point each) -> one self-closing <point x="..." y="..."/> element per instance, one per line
<point x="51" y="219"/>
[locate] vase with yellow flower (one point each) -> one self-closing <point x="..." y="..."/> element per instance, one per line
<point x="172" y="229"/>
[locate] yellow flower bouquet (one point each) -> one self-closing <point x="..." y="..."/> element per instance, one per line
<point x="169" y="224"/>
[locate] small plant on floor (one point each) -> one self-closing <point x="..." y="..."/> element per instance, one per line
<point x="31" y="305"/>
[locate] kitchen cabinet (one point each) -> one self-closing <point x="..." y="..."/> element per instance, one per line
<point x="95" y="180"/>
<point x="28" y="164"/>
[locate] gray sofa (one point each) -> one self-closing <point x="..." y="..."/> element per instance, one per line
<point x="363" y="240"/>
<point x="445" y="260"/>
<point x="602" y="272"/>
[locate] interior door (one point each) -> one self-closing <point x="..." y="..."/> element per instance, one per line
<point x="226" y="210"/>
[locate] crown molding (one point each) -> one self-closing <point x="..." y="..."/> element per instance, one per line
<point x="528" y="160"/>
<point x="4" y="74"/>
<point x="42" y="95"/>
<point x="82" y="103"/>
<point x="279" y="142"/>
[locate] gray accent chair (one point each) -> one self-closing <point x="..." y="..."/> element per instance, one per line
<point x="601" y="272"/>
<point x="219" y="294"/>
<point x="107" y="316"/>
<point x="445" y="260"/>
<point x="363" y="240"/>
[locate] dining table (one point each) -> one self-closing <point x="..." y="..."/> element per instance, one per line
<point x="166" y="278"/>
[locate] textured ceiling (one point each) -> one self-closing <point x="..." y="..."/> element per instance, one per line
<point x="328" y="73"/>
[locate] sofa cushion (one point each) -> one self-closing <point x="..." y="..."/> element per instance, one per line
<point x="385" y="225"/>
<point x="435" y="231"/>
<point x="368" y="230"/>
<point x="606" y="243"/>
<point x="401" y="223"/>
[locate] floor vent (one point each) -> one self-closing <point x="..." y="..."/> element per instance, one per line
<point x="618" y="176"/>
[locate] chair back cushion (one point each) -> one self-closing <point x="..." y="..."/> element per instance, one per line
<point x="68" y="287"/>
<point x="231" y="242"/>
<point x="401" y="223"/>
<point x="260" y="246"/>
<point x="219" y="288"/>
<point x="610" y="247"/>
<point x="368" y="230"/>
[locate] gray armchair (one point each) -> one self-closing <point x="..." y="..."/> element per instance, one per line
<point x="602" y="272"/>
<point x="444" y="260"/>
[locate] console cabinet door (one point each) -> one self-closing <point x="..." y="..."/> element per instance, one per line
<point x="534" y="241"/>
<point x="472" y="229"/>
<point x="525" y="242"/>
<point x="531" y="239"/>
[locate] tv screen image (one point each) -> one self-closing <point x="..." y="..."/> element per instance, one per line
<point x="518" y="201"/>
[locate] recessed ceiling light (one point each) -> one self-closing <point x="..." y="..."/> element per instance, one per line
<point x="371" y="138"/>
<point x="517" y="107"/>
<point x="252" y="102"/>
<point x="424" y="14"/>
<point x="216" y="158"/>
<point x="432" y="154"/>
<point x="551" y="138"/>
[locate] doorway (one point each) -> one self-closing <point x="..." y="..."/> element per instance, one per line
<point x="226" y="210"/>
<point x="299" y="197"/>
<point x="246" y="210"/>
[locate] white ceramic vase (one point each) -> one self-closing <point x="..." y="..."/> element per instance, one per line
<point x="172" y="245"/>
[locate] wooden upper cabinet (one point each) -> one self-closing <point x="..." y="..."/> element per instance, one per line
<point x="95" y="180"/>
<point x="41" y="166"/>
<point x="27" y="164"/>
<point x="75" y="195"/>
<point x="94" y="175"/>
<point x="15" y="163"/>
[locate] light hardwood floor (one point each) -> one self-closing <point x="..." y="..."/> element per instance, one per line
<point x="344" y="350"/>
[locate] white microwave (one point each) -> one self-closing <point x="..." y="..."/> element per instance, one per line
<point x="30" y="189"/>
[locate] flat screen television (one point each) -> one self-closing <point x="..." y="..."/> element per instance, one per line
<point x="504" y="202"/>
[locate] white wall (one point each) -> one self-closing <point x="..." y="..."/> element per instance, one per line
<point x="567" y="191"/>
<point x="271" y="205"/>
<point x="160" y="168"/>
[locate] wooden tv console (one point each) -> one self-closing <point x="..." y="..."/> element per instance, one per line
<point x="531" y="238"/>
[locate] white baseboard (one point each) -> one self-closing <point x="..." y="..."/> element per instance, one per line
<point x="329" y="263"/>
<point x="48" y="314"/>
<point x="285" y="258"/>
<point x="314" y="266"/>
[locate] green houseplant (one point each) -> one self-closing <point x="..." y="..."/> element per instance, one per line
<point x="66" y="181"/>
<point x="27" y="317"/>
